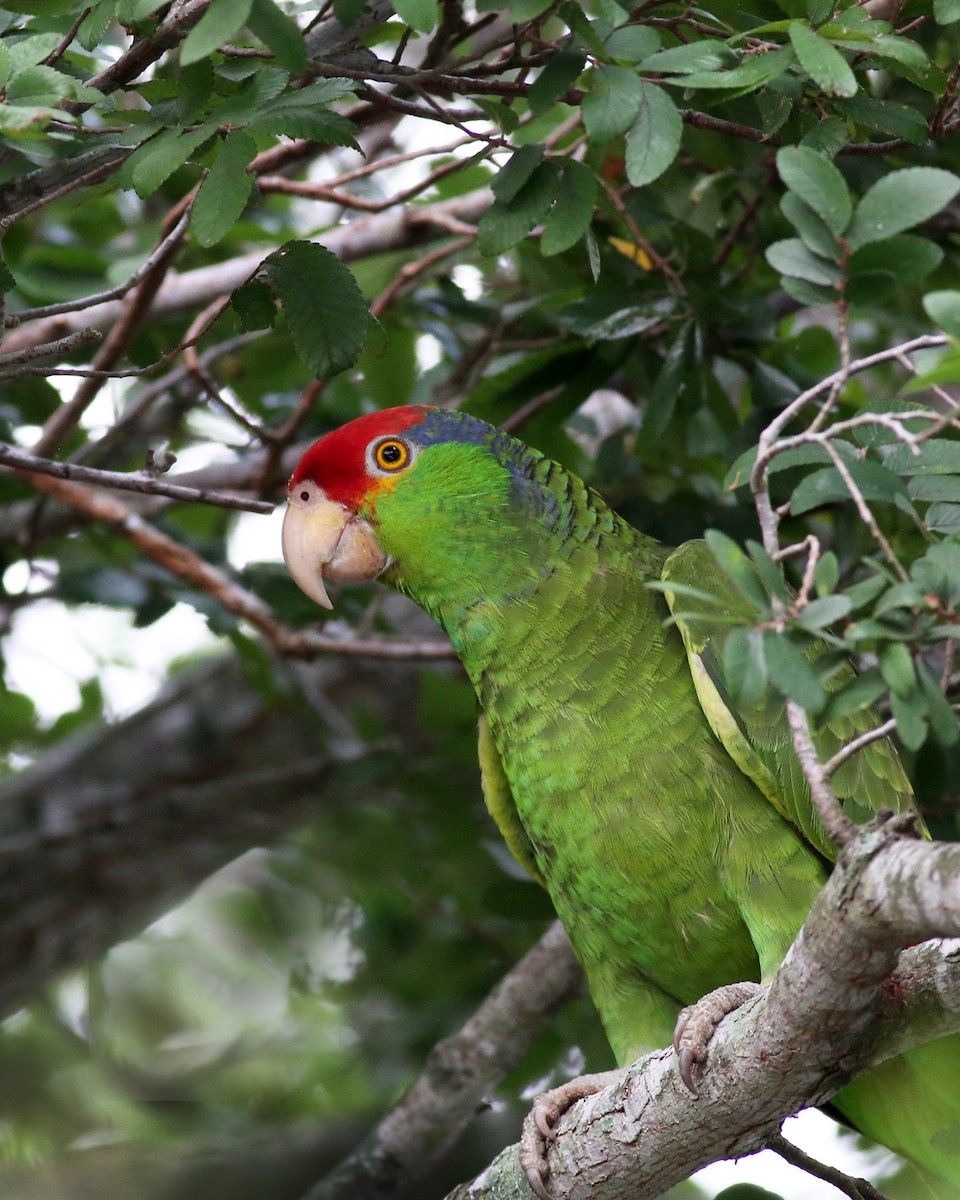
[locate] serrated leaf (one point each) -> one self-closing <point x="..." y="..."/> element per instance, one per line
<point x="518" y="169"/>
<point x="612" y="104"/>
<point x="875" y="482"/>
<point x="307" y="121"/>
<point x="196" y="88"/>
<point x="818" y="183"/>
<point x="155" y="161"/>
<point x="902" y="50"/>
<point x="39" y="85"/>
<point x="278" y="33"/>
<point x="217" y="25"/>
<point x="654" y="137"/>
<point x="506" y="223"/>
<point x="572" y="213"/>
<point x="934" y="487"/>
<point x="944" y="309"/>
<point x="885" y="116"/>
<point x="791" y="673"/>
<point x="900" y="200"/>
<point x="421" y="15"/>
<point x="323" y="305"/>
<point x="823" y="62"/>
<point x="738" y="568"/>
<point x="943" y="518"/>
<point x="95" y="24"/>
<point x="557" y="77"/>
<point x="792" y="257"/>
<point x="224" y="193"/>
<point x="938" y="456"/>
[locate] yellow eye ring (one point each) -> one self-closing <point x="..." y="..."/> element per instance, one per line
<point x="391" y="454"/>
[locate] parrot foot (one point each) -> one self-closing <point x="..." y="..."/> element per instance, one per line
<point x="546" y="1111"/>
<point x="697" y="1022"/>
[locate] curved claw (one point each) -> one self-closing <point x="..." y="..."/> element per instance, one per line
<point x="688" y="1060"/>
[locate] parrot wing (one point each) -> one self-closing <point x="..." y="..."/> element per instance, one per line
<point x="757" y="737"/>
<point x="500" y="803"/>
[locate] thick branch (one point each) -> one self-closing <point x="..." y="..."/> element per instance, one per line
<point x="827" y="1016"/>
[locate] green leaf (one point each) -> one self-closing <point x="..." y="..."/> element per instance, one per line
<point x="770" y="572"/>
<point x="885" y="116"/>
<point x="506" y="223"/>
<point x="279" y="33"/>
<point x="754" y="72"/>
<point x="744" y="666"/>
<point x="791" y="673"/>
<point x="823" y="62"/>
<point x="875" y="481"/>
<point x="863" y="691"/>
<point x="943" y="518"/>
<point x="255" y="305"/>
<point x="814" y="233"/>
<point x="632" y="43"/>
<point x="654" y="137"/>
<point x="943" y="720"/>
<point x="7" y="281"/>
<point x="938" y="456"/>
<point x="791" y="257"/>
<point x="813" y="294"/>
<point x="900" y="200"/>
<point x="896" y="665"/>
<point x="706" y="55"/>
<point x="561" y="72"/>
<point x="224" y="193"/>
<point x="945" y="12"/>
<point x="323" y="305"/>
<point x="826" y="574"/>
<point x="196" y="88"/>
<point x="818" y="614"/>
<point x="907" y="257"/>
<point x="348" y="11"/>
<point x="521" y="165"/>
<point x="934" y="487"/>
<point x="295" y="117"/>
<point x="818" y="183"/>
<point x="944" y="308"/>
<point x="217" y="25"/>
<point x="39" y="85"/>
<point x="612" y="104"/>
<point x="572" y="213"/>
<point x="901" y="50"/>
<point x="738" y="569"/>
<point x="95" y="24"/>
<point x="421" y="15"/>
<point x="154" y="162"/>
<point x="910" y="713"/>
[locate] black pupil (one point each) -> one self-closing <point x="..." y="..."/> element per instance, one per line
<point x="391" y="453"/>
<point x="304" y="495"/>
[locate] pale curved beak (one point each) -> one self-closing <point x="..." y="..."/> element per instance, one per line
<point x="323" y="540"/>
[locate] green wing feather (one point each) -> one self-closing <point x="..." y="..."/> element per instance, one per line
<point x="500" y="803"/>
<point x="757" y="738"/>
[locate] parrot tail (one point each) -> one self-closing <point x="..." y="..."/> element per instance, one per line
<point x="911" y="1104"/>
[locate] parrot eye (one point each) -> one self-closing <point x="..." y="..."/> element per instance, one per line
<point x="390" y="455"/>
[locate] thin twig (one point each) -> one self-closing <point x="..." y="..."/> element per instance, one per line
<point x="856" y="1189"/>
<point x="24" y="463"/>
<point x="858" y="743"/>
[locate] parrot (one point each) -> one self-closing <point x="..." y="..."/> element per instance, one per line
<point x="672" y="828"/>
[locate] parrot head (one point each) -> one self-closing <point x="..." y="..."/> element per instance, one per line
<point x="425" y="497"/>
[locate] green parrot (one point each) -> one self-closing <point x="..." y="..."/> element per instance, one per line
<point x="674" y="833"/>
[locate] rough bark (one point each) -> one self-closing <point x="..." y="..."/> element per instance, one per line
<point x="841" y="1002"/>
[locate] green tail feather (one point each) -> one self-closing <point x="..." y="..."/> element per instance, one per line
<point x="911" y="1104"/>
